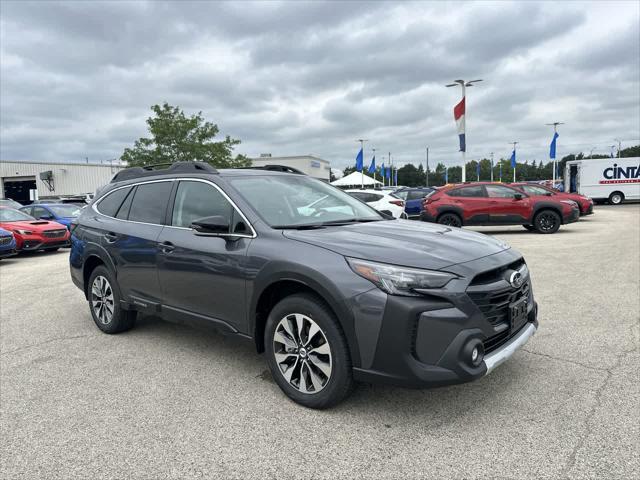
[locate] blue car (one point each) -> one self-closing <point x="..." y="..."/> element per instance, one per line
<point x="7" y="244"/>
<point x="63" y="213"/>
<point x="413" y="198"/>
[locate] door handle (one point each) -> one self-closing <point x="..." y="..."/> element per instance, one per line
<point x="110" y="237"/>
<point x="167" y="247"/>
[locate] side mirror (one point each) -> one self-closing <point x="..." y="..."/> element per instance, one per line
<point x="518" y="196"/>
<point x="215" y="225"/>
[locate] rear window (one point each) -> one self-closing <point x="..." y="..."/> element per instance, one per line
<point x="150" y="203"/>
<point x="110" y="204"/>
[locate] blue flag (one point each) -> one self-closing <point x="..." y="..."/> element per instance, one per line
<point x="372" y="167"/>
<point x="446" y="175"/>
<point x="359" y="161"/>
<point x="500" y="165"/>
<point x="552" y="147"/>
<point x="513" y="158"/>
<point x="387" y="172"/>
<point x="478" y="170"/>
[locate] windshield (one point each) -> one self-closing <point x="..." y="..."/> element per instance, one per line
<point x="536" y="190"/>
<point x="11" y="215"/>
<point x="65" y="210"/>
<point x="290" y="201"/>
<point x="9" y="203"/>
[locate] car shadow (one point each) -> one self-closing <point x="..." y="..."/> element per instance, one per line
<point x="396" y="404"/>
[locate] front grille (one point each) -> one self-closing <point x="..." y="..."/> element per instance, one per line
<point x="499" y="339"/>
<point x="54" y="233"/>
<point x="495" y="304"/>
<point x="496" y="274"/>
<point x="5" y="240"/>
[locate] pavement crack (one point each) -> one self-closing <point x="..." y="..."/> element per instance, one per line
<point x="51" y="340"/>
<point x="564" y="360"/>
<point x="598" y="403"/>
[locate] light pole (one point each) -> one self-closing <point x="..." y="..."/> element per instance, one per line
<point x="552" y="150"/>
<point x="459" y="113"/>
<point x="427" y="166"/>
<point x="619" y="146"/>
<point x="591" y="152"/>
<point x="492" y="166"/>
<point x="362" y="140"/>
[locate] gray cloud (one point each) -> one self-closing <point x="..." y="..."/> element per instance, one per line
<point x="77" y="78"/>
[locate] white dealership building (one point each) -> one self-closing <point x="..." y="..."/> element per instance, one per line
<point x="21" y="180"/>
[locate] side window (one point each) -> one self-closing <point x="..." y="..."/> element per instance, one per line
<point x="150" y="202"/>
<point x="374" y="197"/>
<point x="475" y="191"/>
<point x="110" y="204"/>
<point x="196" y="200"/>
<point x="360" y="196"/>
<point x="498" y="191"/>
<point x="27" y="210"/>
<point x="39" y="212"/>
<point x="403" y="195"/>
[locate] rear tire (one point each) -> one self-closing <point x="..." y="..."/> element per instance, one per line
<point x="450" y="219"/>
<point x="547" y="221"/>
<point x="104" y="303"/>
<point x="307" y="352"/>
<point x="616" y="198"/>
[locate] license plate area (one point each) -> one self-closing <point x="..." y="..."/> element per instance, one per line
<point x="518" y="314"/>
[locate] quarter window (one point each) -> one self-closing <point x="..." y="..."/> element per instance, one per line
<point x="195" y="200"/>
<point x="497" y="191"/>
<point x="150" y="203"/>
<point x="474" y="191"/>
<point x="110" y="204"/>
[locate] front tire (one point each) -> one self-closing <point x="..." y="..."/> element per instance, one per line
<point x="616" y="198"/>
<point x="450" y="219"/>
<point x="307" y="352"/>
<point x="547" y="221"/>
<point x="104" y="303"/>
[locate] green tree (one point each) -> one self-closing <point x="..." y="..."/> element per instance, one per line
<point x="178" y="138"/>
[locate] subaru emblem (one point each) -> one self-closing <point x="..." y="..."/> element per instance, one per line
<point x="516" y="280"/>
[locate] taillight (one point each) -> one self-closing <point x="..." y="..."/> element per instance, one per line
<point x="399" y="203"/>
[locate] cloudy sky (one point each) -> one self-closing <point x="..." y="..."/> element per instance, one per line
<point x="77" y="78"/>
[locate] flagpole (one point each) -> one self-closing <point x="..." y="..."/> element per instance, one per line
<point x="361" y="173"/>
<point x="555" y="131"/>
<point x="427" y="167"/>
<point x="374" y="169"/>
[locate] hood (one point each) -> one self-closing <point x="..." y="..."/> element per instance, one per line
<point x="402" y="242"/>
<point x="33" y="225"/>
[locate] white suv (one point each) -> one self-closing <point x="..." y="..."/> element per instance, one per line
<point x="381" y="200"/>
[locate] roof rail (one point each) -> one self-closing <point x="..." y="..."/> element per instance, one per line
<point x="152" y="170"/>
<point x="278" y="168"/>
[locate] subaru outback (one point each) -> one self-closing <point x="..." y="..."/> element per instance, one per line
<point x="332" y="294"/>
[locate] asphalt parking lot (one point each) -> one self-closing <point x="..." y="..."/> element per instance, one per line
<point x="167" y="401"/>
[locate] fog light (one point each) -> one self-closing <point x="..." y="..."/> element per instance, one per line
<point x="474" y="355"/>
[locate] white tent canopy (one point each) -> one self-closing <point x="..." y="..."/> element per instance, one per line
<point x="355" y="179"/>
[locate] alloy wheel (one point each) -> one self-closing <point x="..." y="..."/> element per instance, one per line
<point x="450" y="220"/>
<point x="302" y="353"/>
<point x="102" y="301"/>
<point x="547" y="221"/>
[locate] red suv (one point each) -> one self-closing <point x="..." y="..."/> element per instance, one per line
<point x="534" y="189"/>
<point x="497" y="204"/>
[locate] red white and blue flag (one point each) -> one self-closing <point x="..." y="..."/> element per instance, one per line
<point x="458" y="114"/>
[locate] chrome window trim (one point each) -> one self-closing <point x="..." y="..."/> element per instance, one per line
<point x="254" y="234"/>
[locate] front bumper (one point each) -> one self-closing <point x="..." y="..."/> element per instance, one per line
<point x="7" y="252"/>
<point x="587" y="209"/>
<point x="574" y="216"/>
<point x="31" y="243"/>
<point x="427" y="341"/>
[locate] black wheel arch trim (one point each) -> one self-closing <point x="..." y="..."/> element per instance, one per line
<point x="546" y="206"/>
<point x="450" y="209"/>
<point x="322" y="286"/>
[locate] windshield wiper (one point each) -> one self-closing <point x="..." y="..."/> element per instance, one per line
<point x="333" y="223"/>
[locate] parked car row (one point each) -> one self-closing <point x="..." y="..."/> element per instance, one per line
<point x="46" y="228"/>
<point x="535" y="207"/>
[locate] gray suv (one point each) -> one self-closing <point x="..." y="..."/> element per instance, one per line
<point x="330" y="289"/>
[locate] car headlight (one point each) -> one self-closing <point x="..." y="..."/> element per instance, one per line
<point x="24" y="232"/>
<point x="397" y="280"/>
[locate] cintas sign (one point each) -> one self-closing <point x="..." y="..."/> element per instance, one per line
<point x="616" y="174"/>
